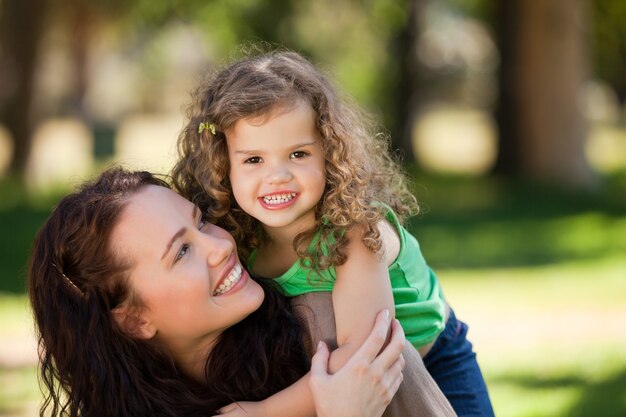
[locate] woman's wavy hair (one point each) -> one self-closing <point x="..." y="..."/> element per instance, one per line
<point x="360" y="172"/>
<point x="89" y="366"/>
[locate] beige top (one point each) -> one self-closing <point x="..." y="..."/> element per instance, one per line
<point x="418" y="395"/>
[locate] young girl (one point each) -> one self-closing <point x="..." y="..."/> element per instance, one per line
<point x="314" y="201"/>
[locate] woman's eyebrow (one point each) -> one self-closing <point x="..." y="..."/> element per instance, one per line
<point x="179" y="233"/>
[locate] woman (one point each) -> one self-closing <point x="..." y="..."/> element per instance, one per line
<point x="142" y="308"/>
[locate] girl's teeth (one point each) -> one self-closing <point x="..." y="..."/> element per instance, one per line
<point x="278" y="198"/>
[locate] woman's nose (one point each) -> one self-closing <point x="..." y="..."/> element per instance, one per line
<point x="218" y="249"/>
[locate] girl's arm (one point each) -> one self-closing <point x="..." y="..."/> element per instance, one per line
<point x="295" y="400"/>
<point x="361" y="290"/>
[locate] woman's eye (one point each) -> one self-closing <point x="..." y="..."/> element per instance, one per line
<point x="181" y="252"/>
<point x="253" y="160"/>
<point x="298" y="154"/>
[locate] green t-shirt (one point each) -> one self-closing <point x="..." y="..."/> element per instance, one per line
<point x="418" y="297"/>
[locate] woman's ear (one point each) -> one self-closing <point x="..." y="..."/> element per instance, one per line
<point x="133" y="323"/>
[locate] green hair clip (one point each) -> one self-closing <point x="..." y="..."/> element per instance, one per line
<point x="206" y="126"/>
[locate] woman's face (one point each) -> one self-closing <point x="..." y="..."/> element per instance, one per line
<point x="185" y="271"/>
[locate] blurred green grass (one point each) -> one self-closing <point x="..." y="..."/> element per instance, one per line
<point x="523" y="252"/>
<point x="583" y="383"/>
<point x="21" y="215"/>
<point x="469" y="223"/>
<point x="19" y="395"/>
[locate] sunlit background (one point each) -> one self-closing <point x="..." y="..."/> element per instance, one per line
<point x="509" y="115"/>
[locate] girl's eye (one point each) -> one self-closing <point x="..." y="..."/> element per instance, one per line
<point x="181" y="252"/>
<point x="253" y="160"/>
<point x="298" y="154"/>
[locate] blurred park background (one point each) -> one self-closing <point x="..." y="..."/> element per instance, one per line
<point x="510" y="116"/>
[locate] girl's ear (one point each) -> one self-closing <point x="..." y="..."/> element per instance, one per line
<point x="133" y="323"/>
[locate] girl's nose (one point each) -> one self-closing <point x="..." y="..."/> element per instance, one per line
<point x="218" y="249"/>
<point x="279" y="174"/>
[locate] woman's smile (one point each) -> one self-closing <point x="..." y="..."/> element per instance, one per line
<point x="236" y="275"/>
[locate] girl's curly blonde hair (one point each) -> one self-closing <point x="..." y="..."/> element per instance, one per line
<point x="360" y="172"/>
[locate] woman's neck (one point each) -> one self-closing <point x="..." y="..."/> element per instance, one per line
<point x="191" y="357"/>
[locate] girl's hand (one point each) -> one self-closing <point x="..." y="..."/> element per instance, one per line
<point x="243" y="409"/>
<point x="365" y="385"/>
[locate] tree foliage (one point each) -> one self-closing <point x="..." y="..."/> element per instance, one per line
<point x="609" y="44"/>
<point x="368" y="47"/>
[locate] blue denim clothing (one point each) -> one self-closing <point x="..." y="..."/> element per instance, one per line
<point x="452" y="364"/>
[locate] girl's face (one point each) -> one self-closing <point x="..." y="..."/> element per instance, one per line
<point x="185" y="271"/>
<point x="277" y="167"/>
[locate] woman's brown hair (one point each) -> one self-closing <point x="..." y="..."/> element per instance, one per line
<point x="360" y="173"/>
<point x="90" y="367"/>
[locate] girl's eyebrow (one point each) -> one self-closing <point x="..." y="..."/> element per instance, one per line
<point x="250" y="152"/>
<point x="256" y="152"/>
<point x="303" y="144"/>
<point x="179" y="233"/>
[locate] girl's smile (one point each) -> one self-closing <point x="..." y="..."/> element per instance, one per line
<point x="278" y="200"/>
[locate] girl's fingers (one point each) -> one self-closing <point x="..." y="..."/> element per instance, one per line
<point x="227" y="408"/>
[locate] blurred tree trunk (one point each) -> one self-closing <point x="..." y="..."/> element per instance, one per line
<point x="81" y="23"/>
<point x="21" y="30"/>
<point x="544" y="64"/>
<point x="506" y="26"/>
<point x="404" y="76"/>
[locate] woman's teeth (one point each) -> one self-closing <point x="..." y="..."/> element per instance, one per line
<point x="279" y="198"/>
<point x="230" y="281"/>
